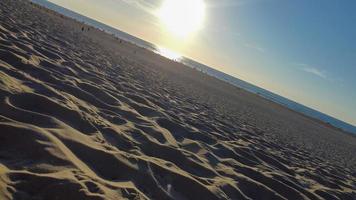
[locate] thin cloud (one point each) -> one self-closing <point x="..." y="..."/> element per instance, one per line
<point x="320" y="73"/>
<point x="230" y="3"/>
<point x="226" y="3"/>
<point x="255" y="47"/>
<point x="148" y="6"/>
<point x="316" y="72"/>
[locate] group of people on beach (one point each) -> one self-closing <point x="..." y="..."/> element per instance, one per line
<point x="83" y="28"/>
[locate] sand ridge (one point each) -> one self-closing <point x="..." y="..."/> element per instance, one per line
<point x="84" y="116"/>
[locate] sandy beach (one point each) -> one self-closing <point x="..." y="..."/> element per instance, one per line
<point x="84" y="115"/>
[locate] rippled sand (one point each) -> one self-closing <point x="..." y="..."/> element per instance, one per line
<point x="85" y="116"/>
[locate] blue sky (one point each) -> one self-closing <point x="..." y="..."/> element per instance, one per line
<point x="303" y="50"/>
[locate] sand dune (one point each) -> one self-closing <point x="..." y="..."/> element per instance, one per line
<point x="84" y="116"/>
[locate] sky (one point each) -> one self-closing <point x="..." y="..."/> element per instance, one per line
<point x="303" y="50"/>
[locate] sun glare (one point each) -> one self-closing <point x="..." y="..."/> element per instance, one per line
<point x="168" y="53"/>
<point x="182" y="17"/>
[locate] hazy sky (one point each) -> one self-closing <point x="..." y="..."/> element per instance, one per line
<point x="303" y="50"/>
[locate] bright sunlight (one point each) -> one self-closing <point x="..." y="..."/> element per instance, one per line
<point x="182" y="17"/>
<point x="169" y="53"/>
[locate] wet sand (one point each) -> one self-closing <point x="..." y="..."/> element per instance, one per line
<point x="85" y="116"/>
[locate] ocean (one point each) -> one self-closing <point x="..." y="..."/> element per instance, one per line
<point x="206" y="69"/>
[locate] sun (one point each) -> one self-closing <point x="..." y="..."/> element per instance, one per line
<point x="182" y="17"/>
